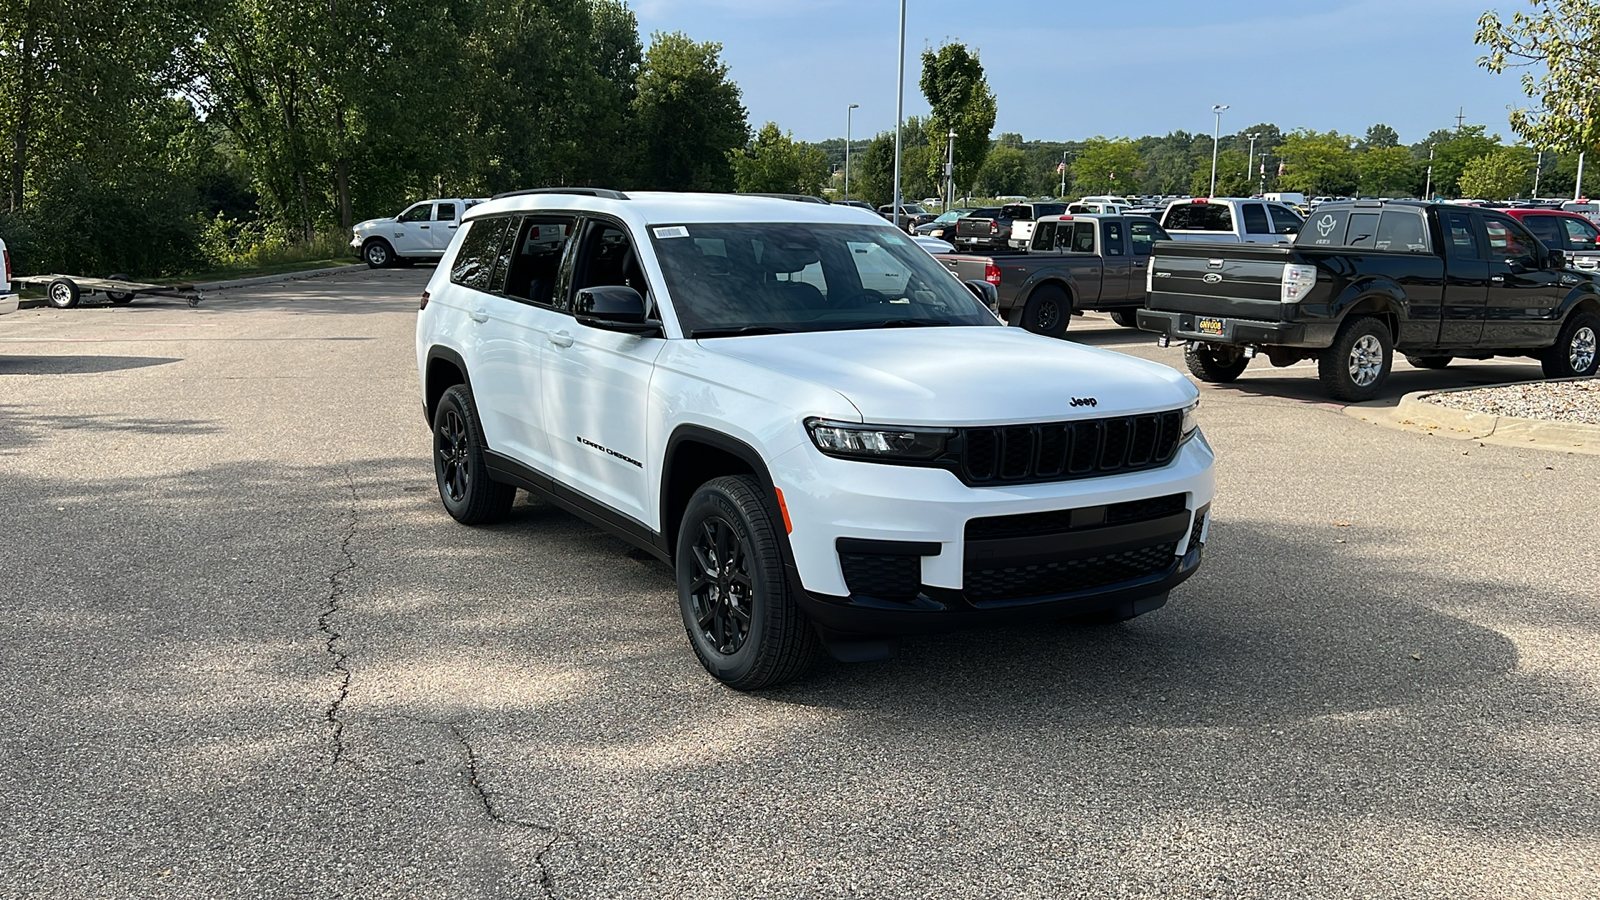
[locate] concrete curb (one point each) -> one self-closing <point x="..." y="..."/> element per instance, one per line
<point x="273" y="279"/>
<point x="1415" y="413"/>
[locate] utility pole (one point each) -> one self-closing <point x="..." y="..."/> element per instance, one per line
<point x="1063" y="194"/>
<point x="950" y="171"/>
<point x="1250" y="160"/>
<point x="1577" y="189"/>
<point x="899" y="117"/>
<point x="1537" y="167"/>
<point x="1427" y="191"/>
<point x="1461" y="117"/>
<point x="1216" y="136"/>
<point x="851" y="109"/>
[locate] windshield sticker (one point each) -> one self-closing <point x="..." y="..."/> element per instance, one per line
<point x="1325" y="225"/>
<point x="672" y="231"/>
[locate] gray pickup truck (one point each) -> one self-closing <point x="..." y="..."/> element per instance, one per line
<point x="1073" y="264"/>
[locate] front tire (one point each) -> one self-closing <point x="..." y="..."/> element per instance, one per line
<point x="1047" y="312"/>
<point x="1574" y="354"/>
<point x="741" y="618"/>
<point x="1355" y="367"/>
<point x="1215" y="363"/>
<point x="469" y="495"/>
<point x="378" y="254"/>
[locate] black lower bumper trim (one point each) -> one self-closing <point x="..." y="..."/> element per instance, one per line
<point x="1183" y="326"/>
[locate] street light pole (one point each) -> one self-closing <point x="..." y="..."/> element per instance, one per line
<point x="899" y="109"/>
<point x="1537" y="168"/>
<point x="848" y="111"/>
<point x="1216" y="136"/>
<point x="1063" y="194"/>
<point x="1427" y="189"/>
<point x="950" y="171"/>
<point x="1250" y="160"/>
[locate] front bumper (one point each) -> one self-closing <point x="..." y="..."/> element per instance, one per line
<point x="1184" y="326"/>
<point x="912" y="524"/>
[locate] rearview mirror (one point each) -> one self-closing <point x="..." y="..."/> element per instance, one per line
<point x="614" y="307"/>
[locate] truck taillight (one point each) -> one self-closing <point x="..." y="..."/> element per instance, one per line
<point x="994" y="227"/>
<point x="1298" y="281"/>
<point x="1150" y="276"/>
<point x="5" y="269"/>
<point x="991" y="274"/>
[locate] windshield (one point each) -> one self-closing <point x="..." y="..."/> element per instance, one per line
<point x="727" y="278"/>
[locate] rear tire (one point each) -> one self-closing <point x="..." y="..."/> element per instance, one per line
<point x="62" y="293"/>
<point x="378" y="254"/>
<point x="1127" y="318"/>
<point x="1047" y="312"/>
<point x="469" y="495"/>
<point x="1358" y="363"/>
<point x="1215" y="363"/>
<point x="119" y="298"/>
<point x="1574" y="354"/>
<point x="738" y="610"/>
<point x="1429" y="362"/>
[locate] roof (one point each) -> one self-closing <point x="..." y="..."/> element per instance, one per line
<point x="644" y="208"/>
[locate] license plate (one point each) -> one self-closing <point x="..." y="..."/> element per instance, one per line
<point x="1209" y="326"/>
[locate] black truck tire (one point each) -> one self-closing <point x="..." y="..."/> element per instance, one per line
<point x="1429" y="362"/>
<point x="1214" y="363"/>
<point x="1127" y="318"/>
<point x="378" y="254"/>
<point x="1574" y="354"/>
<point x="1047" y="311"/>
<point x="738" y="609"/>
<point x="1358" y="363"/>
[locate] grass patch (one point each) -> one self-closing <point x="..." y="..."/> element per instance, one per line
<point x="250" y="271"/>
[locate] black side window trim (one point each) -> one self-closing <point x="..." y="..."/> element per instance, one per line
<point x="499" y="290"/>
<point x="569" y="265"/>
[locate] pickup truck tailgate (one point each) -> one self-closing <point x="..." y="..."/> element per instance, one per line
<point x="1239" y="280"/>
<point x="966" y="268"/>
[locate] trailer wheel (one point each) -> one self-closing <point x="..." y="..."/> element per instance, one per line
<point x="62" y="293"/>
<point x="119" y="298"/>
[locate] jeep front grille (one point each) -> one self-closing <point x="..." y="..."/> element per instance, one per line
<point x="1057" y="451"/>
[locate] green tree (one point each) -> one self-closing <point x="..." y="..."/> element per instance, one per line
<point x="777" y="164"/>
<point x="1380" y="137"/>
<point x="1318" y="163"/>
<point x="1004" y="172"/>
<point x="1558" y="48"/>
<point x="1450" y="156"/>
<point x="1169" y="162"/>
<point x="954" y="85"/>
<point x="688" y="116"/>
<point x="1230" y="176"/>
<point x="1499" y="175"/>
<point x="1104" y="166"/>
<point x="1388" y="171"/>
<point x="872" y="171"/>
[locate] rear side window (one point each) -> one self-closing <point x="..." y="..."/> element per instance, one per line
<point x="1199" y="217"/>
<point x="1462" y="237"/>
<point x="1113" y="244"/>
<point x="1044" y="235"/>
<point x="1402" y="230"/>
<point x="1580" y="234"/>
<point x="1255" y="219"/>
<point x="1144" y="232"/>
<point x="444" y="212"/>
<point x="1362" y="230"/>
<point x="535" y="258"/>
<point x="475" y="260"/>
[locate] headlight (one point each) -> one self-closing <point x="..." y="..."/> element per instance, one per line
<point x="1191" y="423"/>
<point x="887" y="443"/>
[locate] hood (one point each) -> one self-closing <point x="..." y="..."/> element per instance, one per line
<point x="964" y="375"/>
<point x="372" y="223"/>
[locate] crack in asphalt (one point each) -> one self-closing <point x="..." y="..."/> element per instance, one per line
<point x="487" y="801"/>
<point x="338" y="584"/>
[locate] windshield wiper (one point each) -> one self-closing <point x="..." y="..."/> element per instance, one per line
<point x="899" y="323"/>
<point x="742" y="329"/>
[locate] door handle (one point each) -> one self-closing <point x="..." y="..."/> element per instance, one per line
<point x="424" y="228"/>
<point x="452" y="226"/>
<point x="1497" y="278"/>
<point x="479" y="315"/>
<point x="561" y="339"/>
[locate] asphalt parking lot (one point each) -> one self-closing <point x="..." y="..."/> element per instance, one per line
<point x="244" y="652"/>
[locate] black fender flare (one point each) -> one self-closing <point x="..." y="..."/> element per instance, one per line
<point x="430" y="396"/>
<point x="744" y="453"/>
<point x="1585" y="295"/>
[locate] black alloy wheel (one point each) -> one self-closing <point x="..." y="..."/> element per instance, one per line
<point x="1047" y="311"/>
<point x="738" y="609"/>
<point x="468" y="493"/>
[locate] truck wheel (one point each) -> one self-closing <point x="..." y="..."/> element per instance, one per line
<point x="1354" y="368"/>
<point x="1574" y="352"/>
<point x="470" y="496"/>
<point x="62" y="293"/>
<point x="742" y="620"/>
<point x="1429" y="362"/>
<point x="1127" y="318"/>
<point x="1215" y="363"/>
<point x="119" y="298"/>
<point x="378" y="254"/>
<point x="1047" y="312"/>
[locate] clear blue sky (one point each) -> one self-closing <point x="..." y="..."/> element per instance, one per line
<point x="1071" y="69"/>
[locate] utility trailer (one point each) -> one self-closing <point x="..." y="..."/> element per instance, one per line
<point x="64" y="291"/>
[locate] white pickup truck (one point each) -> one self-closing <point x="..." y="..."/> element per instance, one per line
<point x="8" y="296"/>
<point x="1230" y="220"/>
<point x="422" y="231"/>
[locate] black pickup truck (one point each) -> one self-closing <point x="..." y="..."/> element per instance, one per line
<point x="1435" y="281"/>
<point x="993" y="228"/>
<point x="1074" y="263"/>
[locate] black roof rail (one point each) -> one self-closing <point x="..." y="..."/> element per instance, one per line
<point x="604" y="193"/>
<point x="802" y="198"/>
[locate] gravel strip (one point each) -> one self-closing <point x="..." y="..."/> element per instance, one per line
<point x="1557" y="401"/>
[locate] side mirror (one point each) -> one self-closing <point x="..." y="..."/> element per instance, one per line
<point x="1557" y="259"/>
<point x="986" y="293"/>
<point x="614" y="308"/>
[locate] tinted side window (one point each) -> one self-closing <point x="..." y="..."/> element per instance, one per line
<point x="535" y="258"/>
<point x="1508" y="240"/>
<point x="1199" y="217"/>
<point x="1546" y="228"/>
<point x="1017" y="212"/>
<point x="1463" y="238"/>
<point x="1113" y="244"/>
<point x="444" y="212"/>
<point x="609" y="259"/>
<point x="1144" y="232"/>
<point x="479" y="248"/>
<point x="1580" y="234"/>
<point x="1362" y="231"/>
<point x="1324" y="229"/>
<point x="1079" y="240"/>
<point x="1284" y="220"/>
<point x="1044" y="235"/>
<point x="1255" y="219"/>
<point x="418" y="213"/>
<point x="1402" y="230"/>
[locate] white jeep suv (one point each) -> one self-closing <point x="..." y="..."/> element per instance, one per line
<point x="831" y="439"/>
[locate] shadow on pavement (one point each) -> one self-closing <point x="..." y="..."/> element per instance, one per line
<point x="77" y="365"/>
